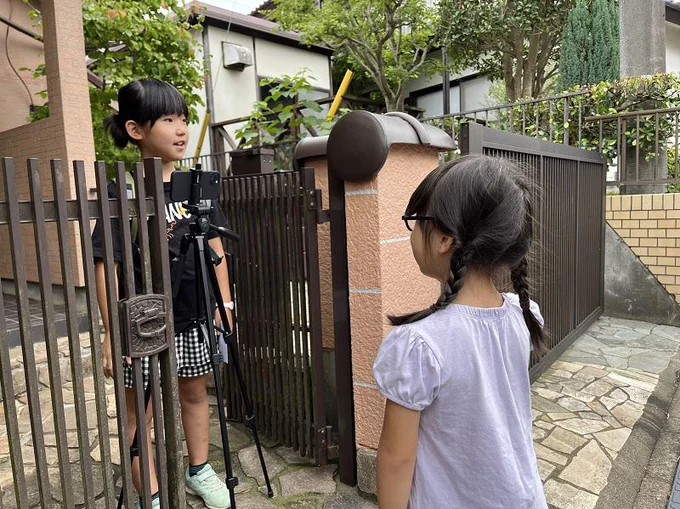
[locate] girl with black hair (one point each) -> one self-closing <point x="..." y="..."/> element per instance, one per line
<point x="153" y="116"/>
<point x="457" y="431"/>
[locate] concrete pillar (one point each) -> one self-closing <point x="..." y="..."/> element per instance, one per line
<point x="381" y="160"/>
<point x="643" y="37"/>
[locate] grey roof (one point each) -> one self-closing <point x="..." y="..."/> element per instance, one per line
<point x="251" y="25"/>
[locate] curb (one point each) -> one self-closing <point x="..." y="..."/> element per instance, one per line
<point x="631" y="480"/>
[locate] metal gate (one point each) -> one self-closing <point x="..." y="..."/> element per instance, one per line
<point x="275" y="276"/>
<point x="569" y="191"/>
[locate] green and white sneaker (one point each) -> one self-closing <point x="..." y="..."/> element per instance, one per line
<point x="209" y="487"/>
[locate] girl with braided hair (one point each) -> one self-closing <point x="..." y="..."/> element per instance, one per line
<point x="457" y="432"/>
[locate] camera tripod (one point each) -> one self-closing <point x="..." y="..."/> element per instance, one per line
<point x="205" y="275"/>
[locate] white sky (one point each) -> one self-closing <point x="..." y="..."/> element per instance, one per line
<point x="243" y="6"/>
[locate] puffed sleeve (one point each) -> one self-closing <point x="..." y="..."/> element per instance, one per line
<point x="406" y="369"/>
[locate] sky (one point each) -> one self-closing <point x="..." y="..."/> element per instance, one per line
<point x="243" y="6"/>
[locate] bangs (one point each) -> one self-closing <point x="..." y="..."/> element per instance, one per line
<point x="420" y="199"/>
<point x="159" y="99"/>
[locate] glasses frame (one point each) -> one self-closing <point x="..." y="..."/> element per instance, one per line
<point x="406" y="219"/>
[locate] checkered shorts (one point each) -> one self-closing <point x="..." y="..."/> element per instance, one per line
<point x="193" y="358"/>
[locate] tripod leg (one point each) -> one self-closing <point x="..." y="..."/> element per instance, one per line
<point x="206" y="272"/>
<point x="233" y="356"/>
<point x="134" y="448"/>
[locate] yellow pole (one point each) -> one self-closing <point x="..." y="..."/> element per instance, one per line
<point x="201" y="137"/>
<point x="341" y="92"/>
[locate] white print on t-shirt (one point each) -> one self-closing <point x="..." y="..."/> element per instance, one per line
<point x="174" y="211"/>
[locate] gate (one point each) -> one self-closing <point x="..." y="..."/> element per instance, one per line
<point x="54" y="403"/>
<point x="275" y="275"/>
<point x="569" y="207"/>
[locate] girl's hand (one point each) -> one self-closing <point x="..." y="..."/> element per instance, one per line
<point x="107" y="362"/>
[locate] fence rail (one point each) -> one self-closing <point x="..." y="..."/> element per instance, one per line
<point x="640" y="147"/>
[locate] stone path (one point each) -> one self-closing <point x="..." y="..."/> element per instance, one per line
<point x="586" y="404"/>
<point x="584" y="408"/>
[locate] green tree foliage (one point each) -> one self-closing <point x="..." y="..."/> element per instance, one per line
<point x="513" y="40"/>
<point x="603" y="54"/>
<point x="130" y="39"/>
<point x="389" y="39"/>
<point x="576" y="38"/>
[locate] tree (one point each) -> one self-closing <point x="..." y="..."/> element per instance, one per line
<point x="129" y="39"/>
<point x="389" y="39"/>
<point x="516" y="40"/>
<point x="576" y="39"/>
<point x="603" y="54"/>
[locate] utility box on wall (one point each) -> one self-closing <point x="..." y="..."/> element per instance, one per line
<point x="252" y="160"/>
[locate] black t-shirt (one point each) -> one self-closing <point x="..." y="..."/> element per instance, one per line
<point x="177" y="221"/>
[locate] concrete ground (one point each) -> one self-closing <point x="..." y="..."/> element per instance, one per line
<point x="606" y="418"/>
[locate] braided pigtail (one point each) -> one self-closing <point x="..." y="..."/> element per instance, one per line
<point x="453" y="285"/>
<point x="518" y="275"/>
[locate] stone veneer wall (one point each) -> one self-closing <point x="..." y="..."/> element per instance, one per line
<point x="650" y="225"/>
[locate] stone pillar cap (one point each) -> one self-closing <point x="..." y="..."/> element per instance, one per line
<point x="359" y="143"/>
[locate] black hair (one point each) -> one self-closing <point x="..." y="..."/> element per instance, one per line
<point x="144" y="101"/>
<point x="485" y="204"/>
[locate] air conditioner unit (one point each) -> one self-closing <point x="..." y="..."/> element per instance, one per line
<point x="235" y="56"/>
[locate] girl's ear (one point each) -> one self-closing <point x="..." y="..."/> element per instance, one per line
<point x="134" y="130"/>
<point x="446" y="243"/>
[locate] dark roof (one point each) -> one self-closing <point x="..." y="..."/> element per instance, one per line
<point x="269" y="5"/>
<point x="250" y="25"/>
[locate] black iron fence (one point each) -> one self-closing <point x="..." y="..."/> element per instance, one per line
<point x="66" y="409"/>
<point x="278" y="310"/>
<point x="568" y="265"/>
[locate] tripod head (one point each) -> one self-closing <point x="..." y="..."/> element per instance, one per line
<point x="198" y="189"/>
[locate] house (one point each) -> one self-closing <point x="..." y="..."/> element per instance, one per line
<point x="244" y="49"/>
<point x="66" y="134"/>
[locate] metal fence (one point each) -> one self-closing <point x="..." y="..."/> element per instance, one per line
<point x="278" y="310"/>
<point x="640" y="147"/>
<point x="45" y="465"/>
<point x="567" y="266"/>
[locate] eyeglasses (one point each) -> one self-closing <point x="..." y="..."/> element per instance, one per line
<point x="410" y="221"/>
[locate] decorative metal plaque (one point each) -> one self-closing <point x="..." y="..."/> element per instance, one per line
<point x="144" y="321"/>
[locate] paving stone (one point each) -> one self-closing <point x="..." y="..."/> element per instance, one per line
<point x="544" y="425"/>
<point x="598" y="388"/>
<point x="539" y="434"/>
<point x="612" y="422"/>
<point x="616" y="362"/>
<point x="598" y="408"/>
<point x="629" y="335"/>
<point x="589" y="469"/>
<point x="560" y="373"/>
<point x="613" y="439"/>
<point x="250" y="463"/>
<point x="348" y="498"/>
<point x="583" y="377"/>
<point x="639" y="396"/>
<point x="572" y="404"/>
<point x="590" y="415"/>
<point x="631" y="381"/>
<point x="254" y="501"/>
<point x="583" y="426"/>
<point x="545" y="405"/>
<point x="627" y="413"/>
<point x="652" y="361"/>
<point x="616" y="397"/>
<point x="567" y="366"/>
<point x="574" y="385"/>
<point x="563" y="496"/>
<point x="309" y="480"/>
<point x="549" y="455"/>
<point x="563" y="441"/>
<point x="547" y="393"/>
<point x="293" y="457"/>
<point x="545" y="469"/>
<point x="578" y="394"/>
<point x="238" y="439"/>
<point x="303" y="503"/>
<point x="667" y="331"/>
<point x="559" y="416"/>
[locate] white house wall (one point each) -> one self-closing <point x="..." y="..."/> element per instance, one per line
<point x="235" y="92"/>
<point x="672" y="48"/>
